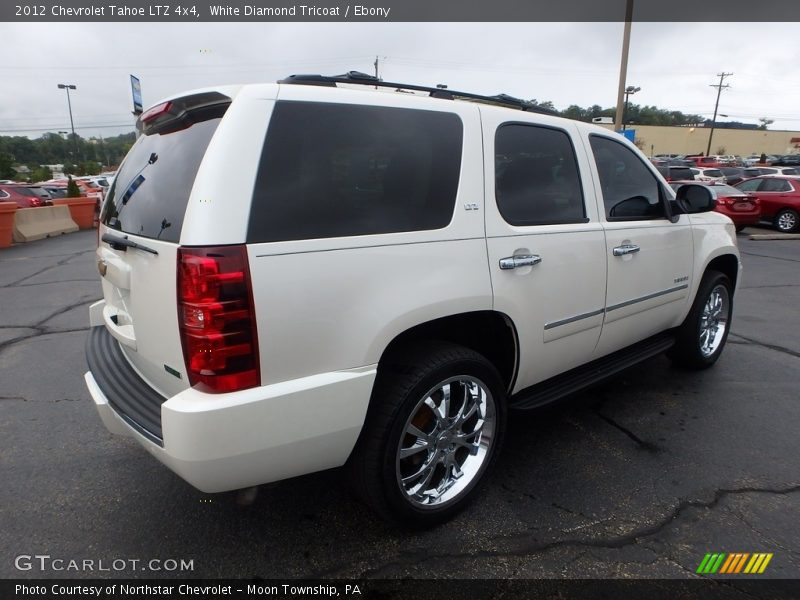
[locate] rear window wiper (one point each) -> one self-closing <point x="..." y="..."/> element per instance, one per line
<point x="123" y="243"/>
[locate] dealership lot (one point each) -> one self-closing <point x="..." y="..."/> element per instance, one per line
<point x="638" y="478"/>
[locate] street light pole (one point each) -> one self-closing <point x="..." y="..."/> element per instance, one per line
<point x="623" y="67"/>
<point x="628" y="92"/>
<point x="68" y="87"/>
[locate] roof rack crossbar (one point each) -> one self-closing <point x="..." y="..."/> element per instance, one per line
<point x="356" y="77"/>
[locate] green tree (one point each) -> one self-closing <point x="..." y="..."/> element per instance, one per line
<point x="765" y="122"/>
<point x="40" y="174"/>
<point x="73" y="191"/>
<point x="6" y="169"/>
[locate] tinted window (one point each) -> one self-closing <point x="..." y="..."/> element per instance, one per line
<point x="750" y="185"/>
<point x="790" y="172"/>
<point x="682" y="173"/>
<point x="774" y="185"/>
<point x="536" y="176"/>
<point x="151" y="191"/>
<point x="330" y="170"/>
<point x="630" y="190"/>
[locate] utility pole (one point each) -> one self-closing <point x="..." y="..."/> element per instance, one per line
<point x="623" y="67"/>
<point x="68" y="87"/>
<point x="376" y="68"/>
<point x="719" y="87"/>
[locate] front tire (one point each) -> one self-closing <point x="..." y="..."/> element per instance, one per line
<point x="433" y="431"/>
<point x="702" y="336"/>
<point x="786" y="221"/>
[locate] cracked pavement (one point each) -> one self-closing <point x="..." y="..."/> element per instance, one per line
<point x="637" y="478"/>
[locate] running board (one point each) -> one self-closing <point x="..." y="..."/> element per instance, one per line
<point x="586" y="375"/>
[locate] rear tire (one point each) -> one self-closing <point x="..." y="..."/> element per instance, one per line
<point x="433" y="432"/>
<point x="787" y="221"/>
<point x="702" y="336"/>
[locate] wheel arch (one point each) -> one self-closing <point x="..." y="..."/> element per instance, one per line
<point x="489" y="333"/>
<point x="727" y="264"/>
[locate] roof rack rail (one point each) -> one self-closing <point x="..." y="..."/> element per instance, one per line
<point x="356" y="77"/>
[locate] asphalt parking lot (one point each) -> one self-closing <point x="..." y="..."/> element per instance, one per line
<point x="639" y="478"/>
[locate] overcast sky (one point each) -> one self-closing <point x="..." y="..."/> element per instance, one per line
<point x="567" y="63"/>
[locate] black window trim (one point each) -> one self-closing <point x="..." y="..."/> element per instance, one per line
<point x="540" y="223"/>
<point x="662" y="192"/>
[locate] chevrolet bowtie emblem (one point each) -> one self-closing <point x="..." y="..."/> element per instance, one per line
<point x="102" y="266"/>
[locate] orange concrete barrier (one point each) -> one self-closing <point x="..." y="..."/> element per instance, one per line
<point x="7" y="210"/>
<point x="80" y="209"/>
<point x="37" y="223"/>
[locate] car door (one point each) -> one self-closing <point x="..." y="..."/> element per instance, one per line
<point x="544" y="240"/>
<point x="773" y="193"/>
<point x="649" y="257"/>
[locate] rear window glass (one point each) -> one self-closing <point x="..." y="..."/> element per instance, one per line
<point x="151" y="190"/>
<point x="681" y="173"/>
<point x="331" y="170"/>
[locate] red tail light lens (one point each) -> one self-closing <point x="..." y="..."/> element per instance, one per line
<point x="216" y="318"/>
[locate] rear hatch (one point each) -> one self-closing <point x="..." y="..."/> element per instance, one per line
<point x="140" y="231"/>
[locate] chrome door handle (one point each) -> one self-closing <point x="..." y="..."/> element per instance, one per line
<point x="626" y="249"/>
<point x="520" y="260"/>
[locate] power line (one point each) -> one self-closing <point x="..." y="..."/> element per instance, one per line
<point x="719" y="87"/>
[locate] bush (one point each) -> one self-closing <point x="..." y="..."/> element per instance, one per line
<point x="73" y="191"/>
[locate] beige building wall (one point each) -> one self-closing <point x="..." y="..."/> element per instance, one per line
<point x="694" y="140"/>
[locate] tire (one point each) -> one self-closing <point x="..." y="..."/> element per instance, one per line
<point x="787" y="221"/>
<point x="702" y="336"/>
<point x="416" y="462"/>
<point x="739" y="228"/>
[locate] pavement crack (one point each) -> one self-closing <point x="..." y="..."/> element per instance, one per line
<point x="768" y="256"/>
<point x="60" y="281"/>
<point x="643" y="444"/>
<point x="774" y="347"/>
<point x="13" y="398"/>
<point x="411" y="557"/>
<point x="60" y="263"/>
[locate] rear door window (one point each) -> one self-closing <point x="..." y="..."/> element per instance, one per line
<point x="333" y="170"/>
<point x="150" y="193"/>
<point x="536" y="176"/>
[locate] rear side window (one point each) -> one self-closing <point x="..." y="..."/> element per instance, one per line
<point x="332" y="170"/>
<point x="775" y="185"/>
<point x="681" y="173"/>
<point x="150" y="193"/>
<point x="536" y="176"/>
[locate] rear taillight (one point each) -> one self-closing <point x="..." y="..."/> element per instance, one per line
<point x="216" y="318"/>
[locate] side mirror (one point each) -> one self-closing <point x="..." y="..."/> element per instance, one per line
<point x="694" y="198"/>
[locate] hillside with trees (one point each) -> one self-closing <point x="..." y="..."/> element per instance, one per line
<point x="92" y="156"/>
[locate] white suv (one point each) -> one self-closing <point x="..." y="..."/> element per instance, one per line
<point x="310" y="274"/>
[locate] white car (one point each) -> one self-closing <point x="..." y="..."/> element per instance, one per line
<point x="708" y="174"/>
<point x="300" y="276"/>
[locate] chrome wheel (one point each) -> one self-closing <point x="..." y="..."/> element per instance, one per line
<point x="446" y="442"/>
<point x="714" y="320"/>
<point x="786" y="221"/>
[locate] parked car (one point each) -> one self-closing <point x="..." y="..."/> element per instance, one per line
<point x="674" y="173"/>
<point x="788" y="160"/>
<point x="42" y="193"/>
<point x="300" y="276"/>
<point x="780" y="199"/>
<point x="23" y="196"/>
<point x="732" y="175"/>
<point x="751" y="160"/>
<point x="743" y="208"/>
<point x="708" y="174"/>
<point x="55" y="191"/>
<point x="757" y="171"/>
<point x="706" y="161"/>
